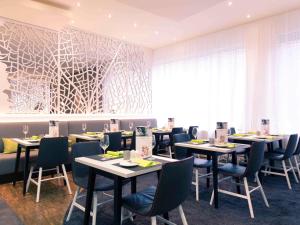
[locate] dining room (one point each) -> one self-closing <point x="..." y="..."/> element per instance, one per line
<point x="136" y="112"/>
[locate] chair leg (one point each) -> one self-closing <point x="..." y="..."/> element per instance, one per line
<point x="293" y="170"/>
<point x="184" y="222"/>
<point x="197" y="184"/>
<point x="94" y="208"/>
<point x="248" y="197"/>
<point x="261" y="190"/>
<point x="297" y="165"/>
<point x="153" y="220"/>
<point x="286" y="174"/>
<point x="66" y="178"/>
<point x="170" y="152"/>
<point x="29" y="178"/>
<point x="72" y="205"/>
<point x="57" y="173"/>
<point x="39" y="184"/>
<point x="212" y="198"/>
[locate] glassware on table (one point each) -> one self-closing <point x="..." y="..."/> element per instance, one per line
<point x="106" y="127"/>
<point x="148" y="123"/>
<point x="211" y="141"/>
<point x="195" y="132"/>
<point x="126" y="155"/>
<point x="25" y="130"/>
<point x="130" y="125"/>
<point x="84" y="127"/>
<point x="104" y="142"/>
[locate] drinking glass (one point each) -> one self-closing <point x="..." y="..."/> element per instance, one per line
<point x="148" y="124"/>
<point x="195" y="132"/>
<point x="25" y="130"/>
<point x="106" y="127"/>
<point x="130" y="126"/>
<point x="83" y="127"/>
<point x="104" y="142"/>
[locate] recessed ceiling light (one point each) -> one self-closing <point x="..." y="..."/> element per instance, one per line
<point x="135" y="25"/>
<point x="156" y="32"/>
<point x="123" y="37"/>
<point x="72" y="21"/>
<point x="78" y="4"/>
<point x="248" y="16"/>
<point x="229" y="3"/>
<point x="109" y="16"/>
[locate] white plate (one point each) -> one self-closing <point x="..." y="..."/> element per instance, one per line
<point x="125" y="163"/>
<point x="221" y="145"/>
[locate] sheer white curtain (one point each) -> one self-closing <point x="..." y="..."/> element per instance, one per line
<point x="240" y="76"/>
<point x="204" y="85"/>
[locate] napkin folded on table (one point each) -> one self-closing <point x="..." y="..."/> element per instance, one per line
<point x="112" y="154"/>
<point x="231" y="145"/>
<point x="146" y="163"/>
<point x="198" y="141"/>
<point x="239" y="135"/>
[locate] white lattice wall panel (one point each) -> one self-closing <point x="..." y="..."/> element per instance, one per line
<point x="72" y="71"/>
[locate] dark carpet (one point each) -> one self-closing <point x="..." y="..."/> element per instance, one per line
<point x="284" y="206"/>
<point x="7" y="216"/>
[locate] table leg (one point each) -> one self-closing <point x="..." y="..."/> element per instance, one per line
<point x="156" y="148"/>
<point x="89" y="195"/>
<point x="208" y="171"/>
<point x="18" y="156"/>
<point x="215" y="179"/>
<point x="124" y="143"/>
<point x="133" y="185"/>
<point x="237" y="180"/>
<point x="280" y="143"/>
<point x="117" y="200"/>
<point x="26" y="169"/>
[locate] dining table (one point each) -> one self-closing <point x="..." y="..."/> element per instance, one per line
<point x="27" y="145"/>
<point x="159" y="137"/>
<point x="213" y="151"/>
<point x="112" y="169"/>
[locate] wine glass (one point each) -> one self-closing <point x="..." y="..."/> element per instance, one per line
<point x="195" y="132"/>
<point x="106" y="127"/>
<point x="25" y="130"/>
<point x="83" y="127"/>
<point x="130" y="125"/>
<point x="104" y="142"/>
<point x="148" y="124"/>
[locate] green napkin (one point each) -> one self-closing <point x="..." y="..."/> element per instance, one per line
<point x="198" y="141"/>
<point x="90" y="133"/>
<point x="239" y="135"/>
<point x="146" y="163"/>
<point x="127" y="133"/>
<point x="112" y="154"/>
<point x="35" y="138"/>
<point x="231" y="145"/>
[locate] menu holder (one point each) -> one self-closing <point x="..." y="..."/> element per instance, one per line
<point x="265" y="126"/>
<point x="171" y="123"/>
<point x="53" y="128"/>
<point x="221" y="133"/>
<point x="143" y="142"/>
<point x="114" y="125"/>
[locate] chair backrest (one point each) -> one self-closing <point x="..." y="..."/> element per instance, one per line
<point x="52" y="152"/>
<point x="232" y="130"/>
<point x="115" y="141"/>
<point x="297" y="151"/>
<point x="190" y="131"/>
<point x="180" y="152"/>
<point x="175" y="130"/>
<point x="83" y="149"/>
<point x="173" y="186"/>
<point x="291" y="146"/>
<point x="256" y="158"/>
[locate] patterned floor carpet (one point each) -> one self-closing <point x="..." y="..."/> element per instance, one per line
<point x="284" y="207"/>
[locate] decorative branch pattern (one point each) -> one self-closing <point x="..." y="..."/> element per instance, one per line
<point x="72" y="71"/>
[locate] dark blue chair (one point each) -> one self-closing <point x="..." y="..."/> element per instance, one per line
<point x="282" y="155"/>
<point x="80" y="174"/>
<point x="181" y="153"/>
<point x="230" y="170"/>
<point x="172" y="189"/>
<point x="115" y="141"/>
<point x="296" y="156"/>
<point x="231" y="131"/>
<point x="53" y="152"/>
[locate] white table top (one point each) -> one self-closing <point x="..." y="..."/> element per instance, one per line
<point x="108" y="166"/>
<point x="256" y="138"/>
<point x="26" y="143"/>
<point x="209" y="147"/>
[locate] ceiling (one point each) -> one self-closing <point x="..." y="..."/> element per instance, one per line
<point x="150" y="23"/>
